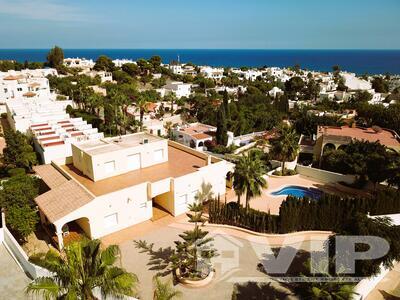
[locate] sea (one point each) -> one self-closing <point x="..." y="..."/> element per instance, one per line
<point x="357" y="61"/>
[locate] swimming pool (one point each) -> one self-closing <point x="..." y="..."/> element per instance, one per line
<point x="299" y="191"/>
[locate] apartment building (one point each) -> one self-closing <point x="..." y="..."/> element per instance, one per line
<point x="53" y="139"/>
<point x="25" y="84"/>
<point x="22" y="113"/>
<point x="113" y="183"/>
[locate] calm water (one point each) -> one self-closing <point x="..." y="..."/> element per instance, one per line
<point x="358" y="61"/>
<point x="299" y="191"/>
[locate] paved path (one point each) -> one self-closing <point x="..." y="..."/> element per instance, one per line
<point x="13" y="280"/>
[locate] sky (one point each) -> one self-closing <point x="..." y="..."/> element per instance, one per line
<point x="198" y="24"/>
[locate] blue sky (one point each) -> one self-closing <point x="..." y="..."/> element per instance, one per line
<point x="265" y="24"/>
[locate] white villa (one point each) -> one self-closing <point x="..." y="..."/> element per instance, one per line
<point x="113" y="183"/>
<point x="79" y="63"/>
<point x="176" y="69"/>
<point x="195" y="135"/>
<point x="178" y="88"/>
<point x="212" y="73"/>
<point x="275" y="91"/>
<point x="355" y="83"/>
<point x="121" y="62"/>
<point x="53" y="139"/>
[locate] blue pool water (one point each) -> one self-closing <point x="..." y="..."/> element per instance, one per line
<point x="299" y="191"/>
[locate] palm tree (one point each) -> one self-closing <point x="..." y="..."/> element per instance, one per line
<point x="81" y="268"/>
<point x="164" y="290"/>
<point x="168" y="127"/>
<point x="286" y="146"/>
<point x="248" y="176"/>
<point x="141" y="107"/>
<point x="326" y="289"/>
<point x="171" y="98"/>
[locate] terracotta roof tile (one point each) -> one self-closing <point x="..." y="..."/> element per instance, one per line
<point x="50" y="175"/>
<point x="201" y="136"/>
<point x="63" y="200"/>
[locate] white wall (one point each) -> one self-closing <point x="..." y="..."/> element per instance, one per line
<point x="131" y="205"/>
<point x="21" y="257"/>
<point x="324" y="176"/>
<point x="365" y="286"/>
<point x="188" y="185"/>
<point x="97" y="170"/>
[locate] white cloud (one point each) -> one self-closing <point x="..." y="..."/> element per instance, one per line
<point x="49" y="10"/>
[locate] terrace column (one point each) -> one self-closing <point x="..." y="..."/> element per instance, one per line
<point x="60" y="238"/>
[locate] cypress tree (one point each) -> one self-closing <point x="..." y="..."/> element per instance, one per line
<point x="222" y="131"/>
<point x="226" y="106"/>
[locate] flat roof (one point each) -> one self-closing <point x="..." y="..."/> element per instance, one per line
<point x="385" y="137"/>
<point x="179" y="163"/>
<point x="197" y="128"/>
<point x="107" y="145"/>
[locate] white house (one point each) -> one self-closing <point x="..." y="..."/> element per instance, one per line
<point x="212" y="73"/>
<point x="275" y="91"/>
<point x="104" y="76"/>
<point x="77" y="62"/>
<point x="195" y="135"/>
<point x="120" y="62"/>
<point x="355" y="83"/>
<point x="178" y="88"/>
<point x="114" y="183"/>
<point x="176" y="69"/>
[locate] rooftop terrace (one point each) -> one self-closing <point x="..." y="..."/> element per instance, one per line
<point x="107" y="145"/>
<point x="385" y="137"/>
<point x="179" y="163"/>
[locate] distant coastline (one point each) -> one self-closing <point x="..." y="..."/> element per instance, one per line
<point x="357" y="61"/>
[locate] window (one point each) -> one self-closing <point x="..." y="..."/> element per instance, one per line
<point x="19" y="89"/>
<point x="109" y="167"/>
<point x="111" y="220"/>
<point x="159" y="155"/>
<point x="134" y="161"/>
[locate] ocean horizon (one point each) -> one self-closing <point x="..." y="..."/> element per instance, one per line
<point x="356" y="60"/>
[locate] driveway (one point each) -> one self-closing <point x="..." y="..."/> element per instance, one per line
<point x="239" y="255"/>
<point x="13" y="280"/>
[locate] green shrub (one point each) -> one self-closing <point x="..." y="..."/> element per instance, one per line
<point x="236" y="215"/>
<point x="330" y="212"/>
<point x="16" y="172"/>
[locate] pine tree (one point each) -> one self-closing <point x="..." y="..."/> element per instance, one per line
<point x="192" y="255"/>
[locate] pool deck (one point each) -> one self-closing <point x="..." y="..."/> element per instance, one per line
<point x="267" y="202"/>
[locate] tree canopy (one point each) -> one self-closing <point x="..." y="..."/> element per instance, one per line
<point x="55" y="57"/>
